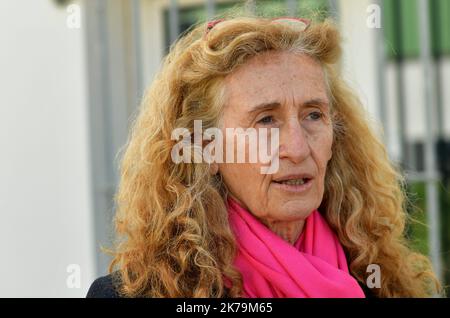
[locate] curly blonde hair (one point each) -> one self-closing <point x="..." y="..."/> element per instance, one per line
<point x="174" y="239"/>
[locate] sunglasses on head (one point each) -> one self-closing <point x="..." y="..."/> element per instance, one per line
<point x="299" y="23"/>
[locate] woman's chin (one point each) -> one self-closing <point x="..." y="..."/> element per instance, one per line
<point x="291" y="211"/>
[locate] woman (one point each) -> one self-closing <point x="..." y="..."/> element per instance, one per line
<point x="331" y="208"/>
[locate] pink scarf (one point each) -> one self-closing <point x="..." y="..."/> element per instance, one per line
<point x="314" y="267"/>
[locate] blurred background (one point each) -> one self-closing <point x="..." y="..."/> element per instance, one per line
<point x="72" y="74"/>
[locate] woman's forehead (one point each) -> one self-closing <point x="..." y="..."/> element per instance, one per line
<point x="274" y="76"/>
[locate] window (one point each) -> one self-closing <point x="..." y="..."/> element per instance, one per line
<point x="401" y="27"/>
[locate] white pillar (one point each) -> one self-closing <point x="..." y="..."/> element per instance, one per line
<point x="359" y="51"/>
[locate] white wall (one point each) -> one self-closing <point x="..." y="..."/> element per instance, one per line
<point x="359" y="52"/>
<point x="45" y="204"/>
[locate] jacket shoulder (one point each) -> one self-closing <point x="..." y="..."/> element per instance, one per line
<point x="104" y="287"/>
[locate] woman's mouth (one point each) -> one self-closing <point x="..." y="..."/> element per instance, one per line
<point x="294" y="185"/>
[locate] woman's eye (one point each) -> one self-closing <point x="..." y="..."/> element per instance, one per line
<point x="315" y="115"/>
<point x="266" y="120"/>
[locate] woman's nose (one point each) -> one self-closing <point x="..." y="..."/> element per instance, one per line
<point x="294" y="144"/>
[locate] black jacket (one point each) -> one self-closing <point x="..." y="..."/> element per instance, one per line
<point x="105" y="287"/>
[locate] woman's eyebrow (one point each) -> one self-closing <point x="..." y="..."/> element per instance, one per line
<point x="263" y="106"/>
<point x="317" y="102"/>
<point x="274" y="104"/>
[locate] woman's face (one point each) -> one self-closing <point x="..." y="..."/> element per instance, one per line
<point x="293" y="88"/>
